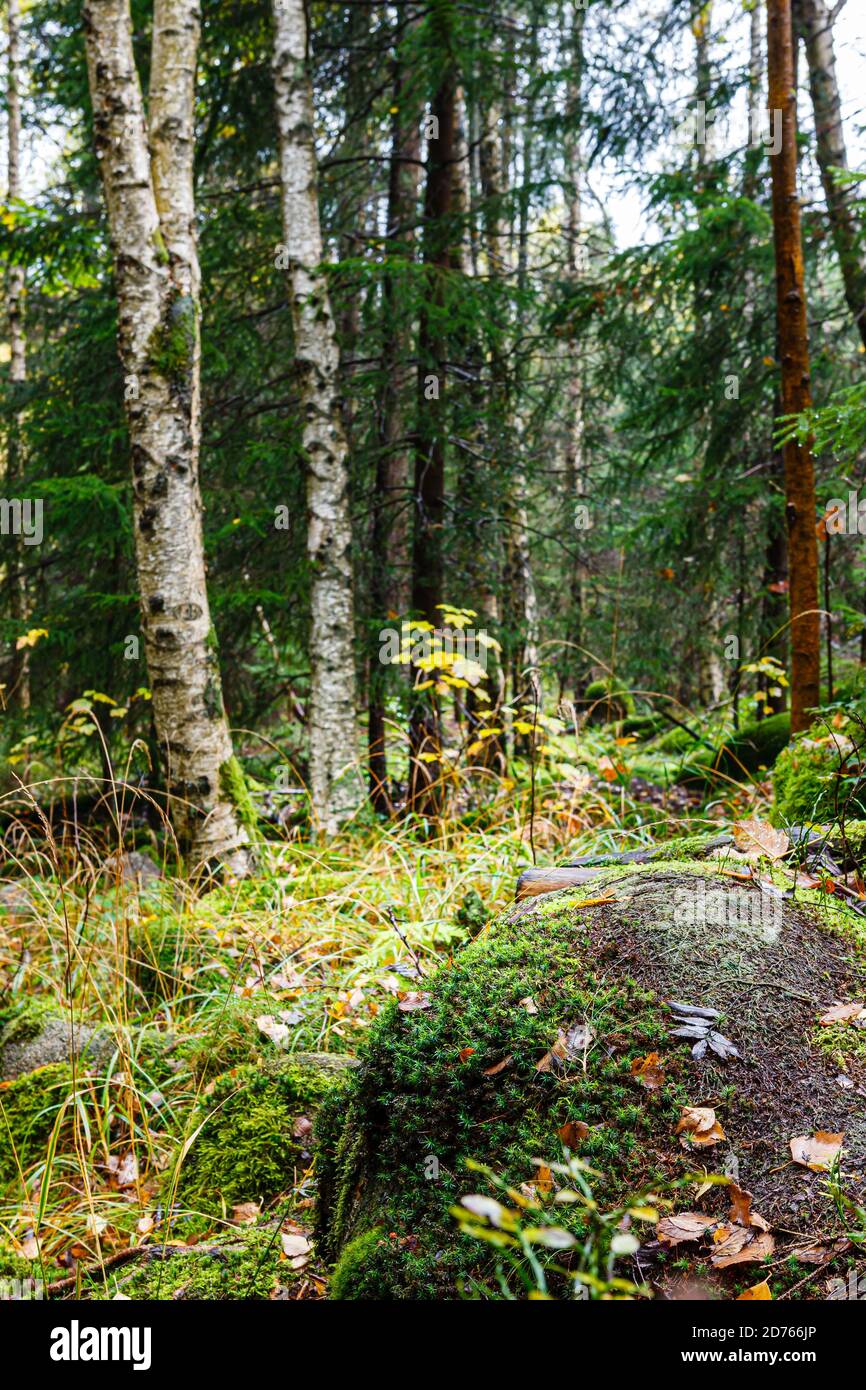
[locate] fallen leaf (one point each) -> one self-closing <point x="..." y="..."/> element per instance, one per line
<point x="302" y="1127"/>
<point x="740" y="1247"/>
<point x="127" y="1172"/>
<point x="755" y="1293"/>
<point x="145" y="1225"/>
<point x="816" y="1151"/>
<point x="465" y="1053"/>
<point x="544" y="1181"/>
<point x="529" y="1004"/>
<point x="686" y="1225"/>
<point x="293" y="1245"/>
<point x="244" y="1213"/>
<point x="699" y="1127"/>
<point x="278" y="1033"/>
<point x="415" y="999"/>
<point x="741" y="1206"/>
<point x="498" y="1066"/>
<point x="756" y="837"/>
<point x="842" y="1013"/>
<point x="648" y="1071"/>
<point x="572" y="1133"/>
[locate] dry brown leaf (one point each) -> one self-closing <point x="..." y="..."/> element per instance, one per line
<point x="842" y="1013"/>
<point x="699" y="1127"/>
<point x="415" y="999"/>
<point x="648" y="1071"/>
<point x="736" y="1251"/>
<point x="465" y="1053"/>
<point x="498" y="1066"/>
<point x="302" y="1127"/>
<point x="816" y="1151"/>
<point x="756" y="1292"/>
<point x="741" y="1206"/>
<point x="244" y="1213"/>
<point x="819" y="1254"/>
<point x="572" y="1133"/>
<point x="757" y="837"/>
<point x="529" y="1004"/>
<point x="686" y="1225"/>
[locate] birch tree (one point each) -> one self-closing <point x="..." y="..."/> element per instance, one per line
<point x="147" y="175"/>
<point x="334" y="781"/>
<point x="20" y="686"/>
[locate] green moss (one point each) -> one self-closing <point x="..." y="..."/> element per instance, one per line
<point x="609" y="700"/>
<point x="243" y="1147"/>
<point x="172" y="344"/>
<point x="427" y="1096"/>
<point x="29" y="1107"/>
<point x="243" y="1264"/>
<point x="161" y="251"/>
<point x="25" y="1020"/>
<point x="378" y="1265"/>
<point x="234" y="786"/>
<point x="811" y="780"/>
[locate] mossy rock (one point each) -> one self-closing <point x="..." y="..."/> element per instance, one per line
<point x="35" y="1034"/>
<point x="644" y="726"/>
<point x="607" y="701"/>
<point x="242" y="1264"/>
<point x="816" y="778"/>
<point x="460" y="1078"/>
<point x="249" y="1139"/>
<point x="29" y="1109"/>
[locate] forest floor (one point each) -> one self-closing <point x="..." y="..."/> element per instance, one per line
<point x="166" y="988"/>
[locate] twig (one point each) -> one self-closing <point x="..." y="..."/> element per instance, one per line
<point x="395" y="924"/>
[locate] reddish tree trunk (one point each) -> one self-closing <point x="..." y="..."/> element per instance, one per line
<point x="794" y="353"/>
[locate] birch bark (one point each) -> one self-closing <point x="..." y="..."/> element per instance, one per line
<point x="334" y="780"/>
<point x="20" y="607"/>
<point x="147" y="176"/>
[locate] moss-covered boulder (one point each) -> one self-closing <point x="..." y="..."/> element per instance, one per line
<point x="251" y="1136"/>
<point x="542" y="1032"/>
<point x="30" y="1108"/>
<point x="34" y="1033"/>
<point x="817" y="777"/>
<point x="245" y="1263"/>
<point x="606" y="701"/>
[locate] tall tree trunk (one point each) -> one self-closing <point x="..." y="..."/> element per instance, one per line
<point x="814" y="22"/>
<point x="574" y="461"/>
<point x="147" y="174"/>
<point x="20" y="606"/>
<point x="425" y="780"/>
<point x="794" y="354"/>
<point x="334" y="781"/>
<point x="390" y="573"/>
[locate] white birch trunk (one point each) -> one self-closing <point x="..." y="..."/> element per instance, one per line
<point x="334" y="780"/>
<point x="20" y="606"/>
<point x="149" y="199"/>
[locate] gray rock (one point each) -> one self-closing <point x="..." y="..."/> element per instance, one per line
<point x="132" y="868"/>
<point x="54" y="1042"/>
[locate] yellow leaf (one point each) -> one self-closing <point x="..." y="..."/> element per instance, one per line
<point x="757" y="1291"/>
